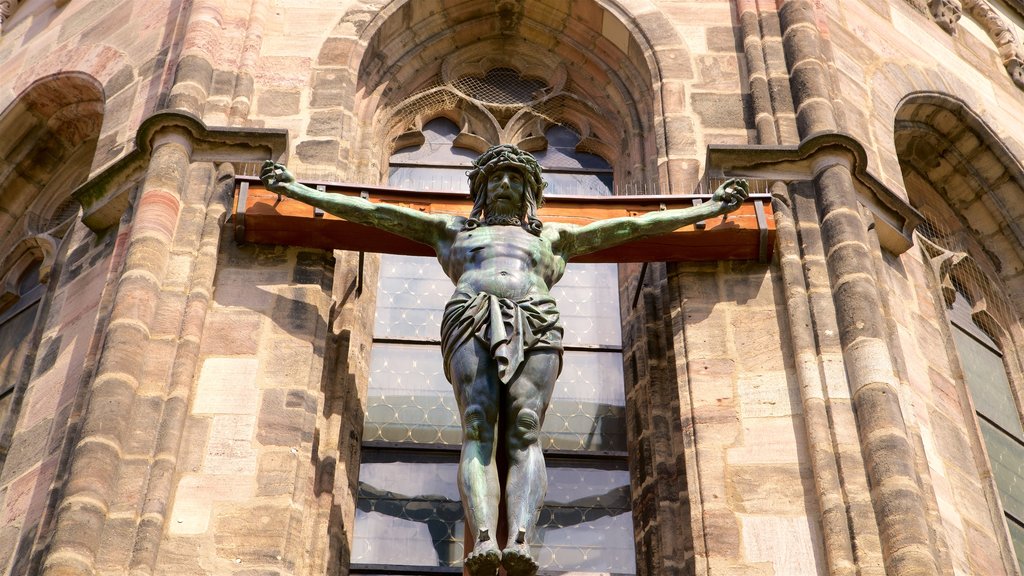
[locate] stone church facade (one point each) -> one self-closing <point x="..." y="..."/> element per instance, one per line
<point x="176" y="402"/>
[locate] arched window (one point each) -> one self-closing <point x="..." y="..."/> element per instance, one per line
<point x="986" y="377"/>
<point x="16" y="322"/>
<point x="408" y="496"/>
<point x="978" y="315"/>
<point x="972" y="244"/>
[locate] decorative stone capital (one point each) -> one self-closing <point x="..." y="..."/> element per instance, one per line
<point x="105" y="196"/>
<point x="895" y="219"/>
<point x="946" y="14"/>
<point x="1015" y="68"/>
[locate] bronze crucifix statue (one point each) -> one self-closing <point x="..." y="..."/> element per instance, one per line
<point x="500" y="334"/>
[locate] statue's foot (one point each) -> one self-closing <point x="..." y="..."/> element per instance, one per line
<point x="484" y="560"/>
<point x="517" y="560"/>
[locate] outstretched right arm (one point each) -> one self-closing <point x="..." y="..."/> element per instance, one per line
<point x="428" y="229"/>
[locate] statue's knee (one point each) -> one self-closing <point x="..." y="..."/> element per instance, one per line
<point x="526" y="429"/>
<point x="474" y="422"/>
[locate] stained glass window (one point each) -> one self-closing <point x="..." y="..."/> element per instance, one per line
<point x="408" y="496"/>
<point x="986" y="378"/>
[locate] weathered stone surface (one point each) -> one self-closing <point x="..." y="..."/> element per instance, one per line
<point x="782" y="542"/>
<point x="285" y="418"/>
<point x="279" y="103"/>
<point x="317" y="151"/>
<point x="721" y="110"/>
<point x="253" y="533"/>
<point x="276" y="474"/>
<point x="230" y="449"/>
<point x="231" y="333"/>
<point x="196" y="496"/>
<point x="227" y="386"/>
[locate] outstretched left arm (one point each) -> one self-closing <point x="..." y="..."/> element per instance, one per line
<point x="607" y="233"/>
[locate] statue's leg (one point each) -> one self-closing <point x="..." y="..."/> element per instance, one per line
<point x="475" y="379"/>
<point x="528" y="398"/>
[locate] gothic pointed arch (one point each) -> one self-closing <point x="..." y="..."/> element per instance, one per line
<point x="945" y="146"/>
<point x="513" y="69"/>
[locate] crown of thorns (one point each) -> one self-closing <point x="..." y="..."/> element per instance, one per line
<point x="504" y="157"/>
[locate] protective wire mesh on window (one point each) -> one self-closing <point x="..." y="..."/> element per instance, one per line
<point x="502" y="86"/>
<point x="965" y="293"/>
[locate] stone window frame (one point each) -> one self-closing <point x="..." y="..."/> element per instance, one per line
<point x="42" y="221"/>
<point x="38" y="250"/>
<point x="964" y="178"/>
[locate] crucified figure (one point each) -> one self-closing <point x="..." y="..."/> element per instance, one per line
<point x="500" y="334"/>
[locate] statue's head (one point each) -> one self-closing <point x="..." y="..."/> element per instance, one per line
<point x="500" y="166"/>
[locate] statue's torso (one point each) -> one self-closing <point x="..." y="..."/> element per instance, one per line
<point x="506" y="261"/>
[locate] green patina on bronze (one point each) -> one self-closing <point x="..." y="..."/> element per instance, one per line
<point x="501" y="334"/>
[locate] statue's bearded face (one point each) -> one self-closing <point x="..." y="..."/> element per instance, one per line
<point x="506" y="190"/>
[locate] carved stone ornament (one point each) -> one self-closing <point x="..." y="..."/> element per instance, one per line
<point x="7" y="7"/>
<point x="946" y="13"/>
<point x="958" y="272"/>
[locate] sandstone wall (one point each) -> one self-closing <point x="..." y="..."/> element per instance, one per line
<point x="195" y="406"/>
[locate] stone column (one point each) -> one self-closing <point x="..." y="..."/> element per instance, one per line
<point x="889" y="457"/>
<point x="194" y="250"/>
<point x="897" y="499"/>
<point x="808" y="74"/>
<point x="92" y="485"/>
<point x="193" y="76"/>
<point x="775" y="121"/>
<point x="835" y="525"/>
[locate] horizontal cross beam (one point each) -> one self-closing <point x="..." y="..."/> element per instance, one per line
<point x="262" y="216"/>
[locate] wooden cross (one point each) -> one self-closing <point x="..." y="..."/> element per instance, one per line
<point x="262" y="216"/>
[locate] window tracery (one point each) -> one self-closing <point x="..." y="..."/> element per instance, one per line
<point x="491" y="101"/>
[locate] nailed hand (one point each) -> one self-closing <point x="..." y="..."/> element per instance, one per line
<point x="275" y="176"/>
<point x="731" y="194"/>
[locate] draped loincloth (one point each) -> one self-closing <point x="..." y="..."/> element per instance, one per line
<point x="508" y="328"/>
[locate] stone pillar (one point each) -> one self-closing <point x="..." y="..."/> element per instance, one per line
<point x="655" y="425"/>
<point x="835" y="525"/>
<point x="888" y="454"/>
<point x="194" y="250"/>
<point x="768" y="76"/>
<point x="193" y="76"/>
<point x="808" y="74"/>
<point x="92" y="484"/>
<point x="244" y="89"/>
<point x="215" y="75"/>
<point x="762" y="44"/>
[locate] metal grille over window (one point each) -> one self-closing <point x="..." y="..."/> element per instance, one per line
<point x="502" y="86"/>
<point x="63" y="212"/>
<point x="975" y="313"/>
<point x="408" y="495"/>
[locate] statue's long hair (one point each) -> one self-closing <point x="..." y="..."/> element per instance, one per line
<point x="507" y="156"/>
